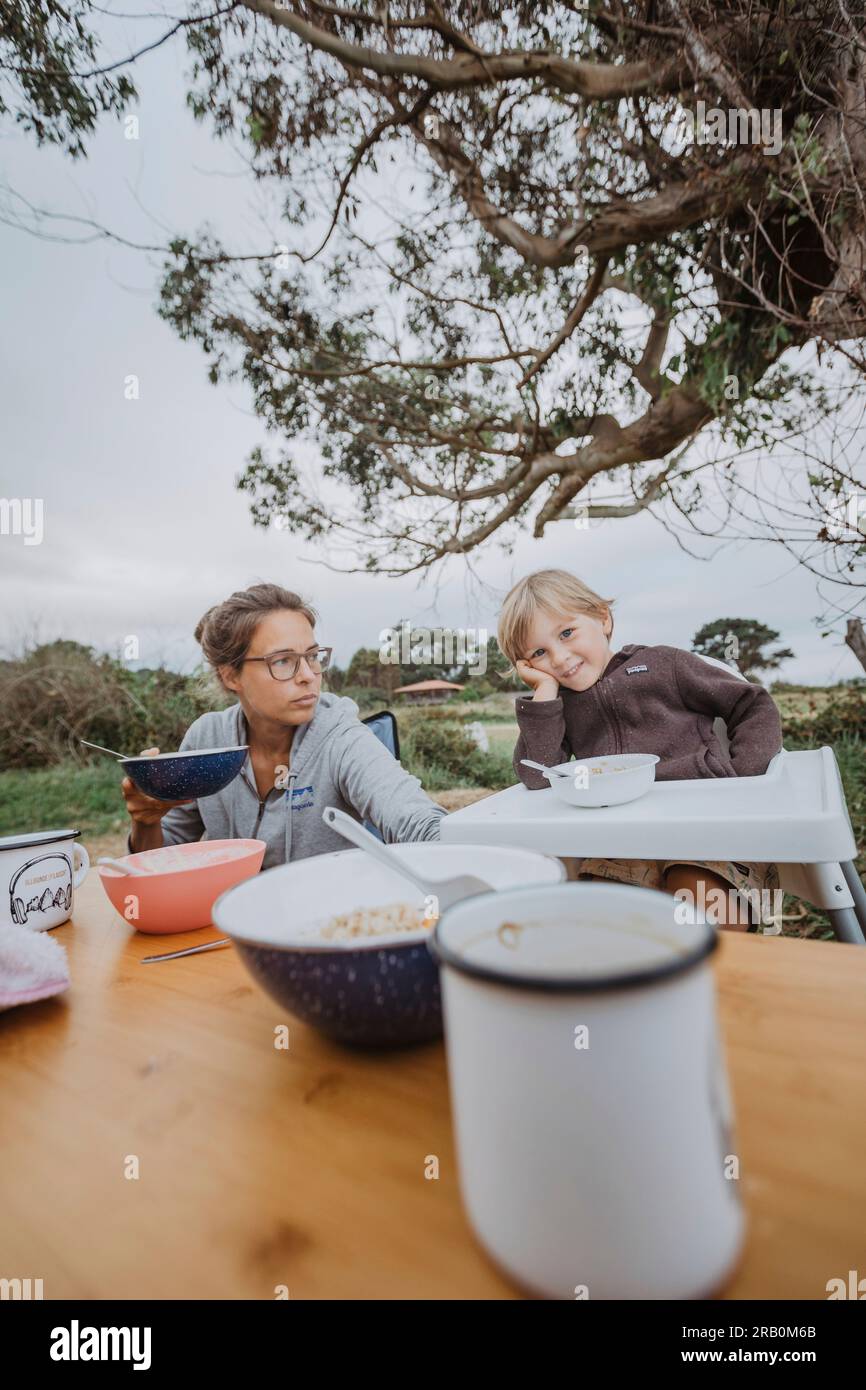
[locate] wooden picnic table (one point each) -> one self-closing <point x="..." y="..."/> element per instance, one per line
<point x="305" y="1167"/>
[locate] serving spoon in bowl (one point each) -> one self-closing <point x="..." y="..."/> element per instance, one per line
<point x="122" y="868"/>
<point x="447" y="891"/>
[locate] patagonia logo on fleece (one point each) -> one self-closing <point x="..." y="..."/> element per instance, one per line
<point x="302" y="798"/>
<point x="630" y="670"/>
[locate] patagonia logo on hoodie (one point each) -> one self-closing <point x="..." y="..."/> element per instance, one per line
<point x="630" y="670"/>
<point x="302" y="798"/>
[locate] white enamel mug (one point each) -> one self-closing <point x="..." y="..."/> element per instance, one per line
<point x="590" y="1100"/>
<point x="38" y="877"/>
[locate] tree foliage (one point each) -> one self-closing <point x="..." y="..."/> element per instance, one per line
<point x="51" y="81"/>
<point x="507" y="263"/>
<point x="743" y="642"/>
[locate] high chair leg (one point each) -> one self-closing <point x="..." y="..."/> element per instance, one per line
<point x="833" y="888"/>
<point x="858" y="892"/>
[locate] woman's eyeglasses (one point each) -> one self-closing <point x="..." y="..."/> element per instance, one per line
<point x="283" y="666"/>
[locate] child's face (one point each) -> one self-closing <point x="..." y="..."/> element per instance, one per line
<point x="572" y="648"/>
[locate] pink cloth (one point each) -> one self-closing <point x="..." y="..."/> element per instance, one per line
<point x="32" y="966"/>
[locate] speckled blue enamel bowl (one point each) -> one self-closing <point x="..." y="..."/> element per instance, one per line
<point x="376" y="991"/>
<point x="186" y="776"/>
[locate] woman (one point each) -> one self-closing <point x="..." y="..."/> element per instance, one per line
<point x="307" y="750"/>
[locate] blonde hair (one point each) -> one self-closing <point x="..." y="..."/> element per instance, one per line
<point x="557" y="591"/>
<point x="226" y="630"/>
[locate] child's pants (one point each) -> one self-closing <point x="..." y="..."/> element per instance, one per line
<point x="759" y="897"/>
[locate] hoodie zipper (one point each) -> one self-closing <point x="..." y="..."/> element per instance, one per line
<point x="263" y="804"/>
<point x="242" y="732"/>
<point x="255" y="793"/>
<point x="610" y="716"/>
<point x="610" y="705"/>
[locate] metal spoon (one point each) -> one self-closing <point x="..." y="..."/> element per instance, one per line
<point x="123" y="868"/>
<point x="445" y="890"/>
<point x="189" y="951"/>
<point x="121" y="757"/>
<point x="539" y="767"/>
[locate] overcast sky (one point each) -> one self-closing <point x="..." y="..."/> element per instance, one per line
<point x="143" y="526"/>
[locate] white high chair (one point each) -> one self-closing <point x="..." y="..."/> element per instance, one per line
<point x="795" y="816"/>
<point x="819" y="884"/>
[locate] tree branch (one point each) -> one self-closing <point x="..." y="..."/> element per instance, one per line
<point x="647" y="369"/>
<point x="611" y="229"/>
<point x="709" y="62"/>
<point x="596" y="81"/>
<point x="583" y="304"/>
<point x="659" y="430"/>
<point x="502" y="485"/>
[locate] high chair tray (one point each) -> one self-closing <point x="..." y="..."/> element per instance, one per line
<point x="794" y="814"/>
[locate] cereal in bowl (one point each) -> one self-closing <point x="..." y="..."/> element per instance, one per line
<point x="375" y="921"/>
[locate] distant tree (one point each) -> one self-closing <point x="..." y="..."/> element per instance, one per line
<point x="424" y="671"/>
<point x="499" y="670"/>
<point x="336" y="679"/>
<point x="741" y="641"/>
<point x="419" y="653"/>
<point x="365" y="668"/>
<point x="49" y="653"/>
<point x="390" y="678"/>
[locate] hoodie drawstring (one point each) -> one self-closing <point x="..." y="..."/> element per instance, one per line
<point x="241" y="736"/>
<point x="291" y="799"/>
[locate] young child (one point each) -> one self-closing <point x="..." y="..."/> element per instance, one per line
<point x="589" y="701"/>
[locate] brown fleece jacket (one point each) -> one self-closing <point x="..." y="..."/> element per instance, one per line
<point x="653" y="700"/>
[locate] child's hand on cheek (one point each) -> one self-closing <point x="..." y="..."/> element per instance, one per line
<point x="544" y="686"/>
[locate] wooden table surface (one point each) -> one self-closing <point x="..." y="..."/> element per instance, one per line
<point x="261" y="1167"/>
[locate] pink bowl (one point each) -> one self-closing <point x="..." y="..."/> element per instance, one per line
<point x="181" y="882"/>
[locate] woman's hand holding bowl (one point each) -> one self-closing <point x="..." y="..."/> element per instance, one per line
<point x="146" y="812"/>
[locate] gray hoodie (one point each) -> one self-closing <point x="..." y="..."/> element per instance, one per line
<point x="335" y="761"/>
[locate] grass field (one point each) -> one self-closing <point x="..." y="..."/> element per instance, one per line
<point x="85" y="797"/>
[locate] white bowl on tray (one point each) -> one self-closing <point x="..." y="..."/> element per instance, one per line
<point x="609" y="781"/>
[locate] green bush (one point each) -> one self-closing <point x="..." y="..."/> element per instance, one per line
<point x="842" y="717"/>
<point x="441" y="742"/>
<point x="412" y="715"/>
<point x="433" y="778"/>
<point x="438" y="749"/>
<point x="476" y="688"/>
<point x="366" y="697"/>
<point x="493" y="769"/>
<point x="62" y="692"/>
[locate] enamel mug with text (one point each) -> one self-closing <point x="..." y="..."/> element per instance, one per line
<point x="38" y="877"/>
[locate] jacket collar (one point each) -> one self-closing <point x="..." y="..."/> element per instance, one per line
<point x="619" y="659"/>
